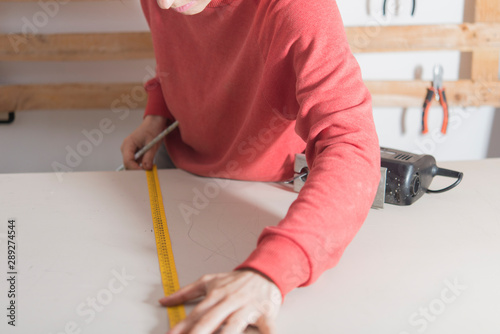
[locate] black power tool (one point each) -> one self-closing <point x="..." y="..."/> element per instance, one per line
<point x="409" y="176"/>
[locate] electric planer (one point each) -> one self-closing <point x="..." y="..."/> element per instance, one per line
<point x="405" y="176"/>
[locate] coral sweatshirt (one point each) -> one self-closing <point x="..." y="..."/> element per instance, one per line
<point x="252" y="82"/>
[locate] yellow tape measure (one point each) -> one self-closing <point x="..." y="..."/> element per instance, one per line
<point x="168" y="272"/>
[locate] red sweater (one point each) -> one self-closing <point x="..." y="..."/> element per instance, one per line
<point x="252" y="82"/>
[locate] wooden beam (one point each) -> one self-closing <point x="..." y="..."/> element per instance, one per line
<point x="487" y="11"/>
<point x="132" y="95"/>
<point x="76" y="47"/>
<point x="412" y="93"/>
<point x="72" y="96"/>
<point x="464" y="37"/>
<point x="138" y="45"/>
<point x="485" y="63"/>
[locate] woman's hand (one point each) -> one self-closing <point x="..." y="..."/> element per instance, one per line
<point x="150" y="128"/>
<point x="232" y="300"/>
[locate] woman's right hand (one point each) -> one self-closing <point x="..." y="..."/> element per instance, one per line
<point x="151" y="127"/>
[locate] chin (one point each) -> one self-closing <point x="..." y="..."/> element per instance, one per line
<point x="196" y="9"/>
<point x="193" y="11"/>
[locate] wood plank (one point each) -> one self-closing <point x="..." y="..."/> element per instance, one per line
<point x="138" y="45"/>
<point x="412" y="93"/>
<point x="464" y="37"/>
<point x="76" y="47"/>
<point x="485" y="63"/>
<point x="131" y="95"/>
<point x="487" y="11"/>
<point x="72" y="96"/>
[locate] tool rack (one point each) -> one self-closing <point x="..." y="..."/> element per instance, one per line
<point x="481" y="38"/>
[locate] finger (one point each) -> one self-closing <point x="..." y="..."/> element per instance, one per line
<point x="148" y="157"/>
<point x="189" y="292"/>
<point x="265" y="325"/>
<point x="249" y="317"/>
<point x="209" y="314"/>
<point x="242" y="319"/>
<point x="235" y="324"/>
<point x="194" y="317"/>
<point x="211" y="317"/>
<point x="128" y="151"/>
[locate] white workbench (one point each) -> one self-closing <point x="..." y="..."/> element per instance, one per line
<point x="86" y="255"/>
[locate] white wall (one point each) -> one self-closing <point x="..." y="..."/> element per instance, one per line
<point x="38" y="140"/>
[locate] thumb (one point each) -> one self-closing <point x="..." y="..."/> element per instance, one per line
<point x="265" y="325"/>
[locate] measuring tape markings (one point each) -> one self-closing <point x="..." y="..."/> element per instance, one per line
<point x="168" y="272"/>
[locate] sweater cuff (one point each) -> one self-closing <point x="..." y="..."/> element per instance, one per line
<point x="281" y="260"/>
<point x="156" y="103"/>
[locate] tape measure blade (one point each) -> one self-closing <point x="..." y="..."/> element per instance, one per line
<point x="170" y="280"/>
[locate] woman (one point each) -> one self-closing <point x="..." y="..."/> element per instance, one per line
<point x="252" y="82"/>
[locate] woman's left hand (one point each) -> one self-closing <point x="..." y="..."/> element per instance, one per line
<point x="232" y="301"/>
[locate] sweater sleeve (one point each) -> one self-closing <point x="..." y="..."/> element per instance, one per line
<point x="334" y="118"/>
<point x="156" y="103"/>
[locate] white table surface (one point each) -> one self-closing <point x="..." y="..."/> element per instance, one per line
<point x="77" y="236"/>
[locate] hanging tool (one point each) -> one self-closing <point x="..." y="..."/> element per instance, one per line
<point x="10" y="118"/>
<point x="437" y="90"/>
<point x="412" y="10"/>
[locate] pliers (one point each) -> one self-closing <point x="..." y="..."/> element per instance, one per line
<point x="412" y="10"/>
<point x="437" y="90"/>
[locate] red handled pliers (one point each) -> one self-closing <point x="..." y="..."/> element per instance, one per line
<point x="437" y="90"/>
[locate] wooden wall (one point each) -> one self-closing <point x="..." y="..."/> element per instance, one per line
<point x="481" y="37"/>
